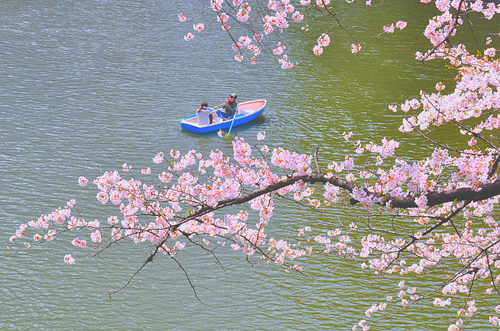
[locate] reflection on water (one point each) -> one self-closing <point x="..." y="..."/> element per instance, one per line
<point x="89" y="85"/>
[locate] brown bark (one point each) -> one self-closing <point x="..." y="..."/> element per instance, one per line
<point x="434" y="198"/>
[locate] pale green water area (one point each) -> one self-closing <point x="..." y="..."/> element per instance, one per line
<point x="88" y="85"/>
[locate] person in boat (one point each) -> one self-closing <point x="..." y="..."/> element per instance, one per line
<point x="229" y="107"/>
<point x="205" y="116"/>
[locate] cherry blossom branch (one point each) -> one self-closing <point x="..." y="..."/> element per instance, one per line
<point x="135" y="273"/>
<point x="434" y="142"/>
<point x="457" y="123"/>
<point x="186" y="274"/>
<point x="449" y="34"/>
<point x="491" y="273"/>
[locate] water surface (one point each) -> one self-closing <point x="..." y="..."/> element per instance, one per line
<point x="89" y="85"/>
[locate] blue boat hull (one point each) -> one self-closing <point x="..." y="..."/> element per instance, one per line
<point x="240" y="119"/>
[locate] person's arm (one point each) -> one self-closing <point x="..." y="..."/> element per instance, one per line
<point x="225" y="106"/>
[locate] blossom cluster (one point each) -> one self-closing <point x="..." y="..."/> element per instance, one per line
<point x="279" y="16"/>
<point x="177" y="201"/>
<point x="180" y="190"/>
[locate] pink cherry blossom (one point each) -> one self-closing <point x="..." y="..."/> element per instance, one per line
<point x="324" y="40"/>
<point x="69" y="259"/>
<point x="222" y="18"/>
<point x="401" y="25"/>
<point x="491" y="52"/>
<point x="83" y="181"/>
<point x="442" y="303"/>
<point x="440" y="86"/>
<point x="245" y="40"/>
<point x="175" y="154"/>
<point x="96" y="236"/>
<point x="317" y="50"/>
<point x="355" y="48"/>
<point x="297" y="16"/>
<point x="158" y="158"/>
<point x="243" y="13"/>
<point x="278" y="51"/>
<point x="389" y="28"/>
<point x="322" y="3"/>
<point x="258" y="37"/>
<point x="216" y="5"/>
<point x="79" y="243"/>
<point x="112" y="220"/>
<point x="199" y="27"/>
<point x="102" y="197"/>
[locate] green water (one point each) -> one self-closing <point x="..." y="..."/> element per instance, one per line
<point x="89" y="85"/>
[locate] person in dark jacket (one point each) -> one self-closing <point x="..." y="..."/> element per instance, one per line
<point x="230" y="107"/>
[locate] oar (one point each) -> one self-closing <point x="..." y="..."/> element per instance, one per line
<point x="231" y="127"/>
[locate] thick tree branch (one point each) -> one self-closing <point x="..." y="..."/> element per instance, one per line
<point x="433" y="198"/>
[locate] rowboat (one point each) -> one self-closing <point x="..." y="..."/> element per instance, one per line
<point x="247" y="111"/>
